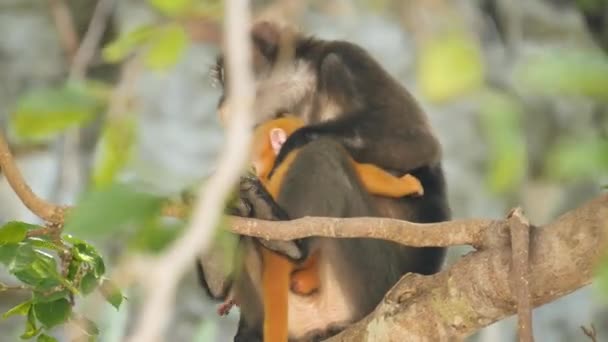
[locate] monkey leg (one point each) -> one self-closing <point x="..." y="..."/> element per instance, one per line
<point x="381" y="183"/>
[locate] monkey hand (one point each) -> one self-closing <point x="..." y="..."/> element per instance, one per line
<point x="291" y="249"/>
<point x="255" y="202"/>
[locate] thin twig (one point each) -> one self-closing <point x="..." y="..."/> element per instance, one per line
<point x="474" y="232"/>
<point x="43" y="209"/>
<point x="65" y="27"/>
<point x="90" y="43"/>
<point x="162" y="279"/>
<point x="590" y="332"/>
<point x="520" y="269"/>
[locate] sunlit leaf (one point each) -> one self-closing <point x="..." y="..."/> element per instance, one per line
<point x="501" y="121"/>
<point x="166" y="47"/>
<point x="32" y="267"/>
<point x="31" y="329"/>
<point x="115" y="147"/>
<point x="578" y="159"/>
<point x="13" y="232"/>
<point x="43" y="113"/>
<point x="105" y="211"/>
<point x="126" y="43"/>
<point x="53" y="313"/>
<point x="565" y="72"/>
<point x="20" y="309"/>
<point x="172" y="7"/>
<point x="111" y="293"/>
<point x="449" y="66"/>
<point x="46" y="338"/>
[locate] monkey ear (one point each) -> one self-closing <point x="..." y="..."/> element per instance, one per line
<point x="277" y="139"/>
<point x="266" y="36"/>
<point x="336" y="77"/>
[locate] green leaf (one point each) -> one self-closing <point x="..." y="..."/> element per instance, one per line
<point x="89" y="283"/>
<point x="45" y="243"/>
<point x="105" y="211"/>
<point x="172" y="7"/>
<point x="53" y="313"/>
<point x="13" y="232"/>
<point x="35" y="268"/>
<point x="50" y="295"/>
<point x="20" y="309"/>
<point x="565" y="72"/>
<point x="573" y="159"/>
<point x="449" y="66"/>
<point x="501" y="122"/>
<point x="115" y="148"/>
<point x="8" y="253"/>
<point x="46" y="338"/>
<point x="44" y="113"/>
<point x="117" y="50"/>
<point x="111" y="293"/>
<point x="166" y="47"/>
<point x="30" y="325"/>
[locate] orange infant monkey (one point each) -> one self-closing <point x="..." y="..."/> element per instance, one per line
<point x="280" y="274"/>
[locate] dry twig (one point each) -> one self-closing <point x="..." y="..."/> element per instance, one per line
<point x="520" y="277"/>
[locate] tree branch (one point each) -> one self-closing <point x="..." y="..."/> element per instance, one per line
<point x="41" y="208"/>
<point x="475" y="291"/>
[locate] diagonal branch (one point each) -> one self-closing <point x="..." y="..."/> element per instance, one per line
<point x="476" y="292"/>
<point x="41" y="208"/>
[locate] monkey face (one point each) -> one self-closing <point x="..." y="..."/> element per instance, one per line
<point x="284" y="81"/>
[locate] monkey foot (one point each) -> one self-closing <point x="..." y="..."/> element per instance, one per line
<point x="224" y="308"/>
<point x="303" y="287"/>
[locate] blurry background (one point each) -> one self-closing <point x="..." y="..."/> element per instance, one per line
<point x="517" y="92"/>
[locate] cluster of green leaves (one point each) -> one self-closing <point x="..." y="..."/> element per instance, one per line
<point x="55" y="271"/>
<point x="162" y="45"/>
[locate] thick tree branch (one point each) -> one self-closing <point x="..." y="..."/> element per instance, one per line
<point x="475" y="291"/>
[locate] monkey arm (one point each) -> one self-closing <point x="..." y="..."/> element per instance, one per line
<point x="402" y="147"/>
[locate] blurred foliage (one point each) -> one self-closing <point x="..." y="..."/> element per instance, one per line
<point x="105" y="211"/>
<point x="572" y="159"/>
<point x="449" y="66"/>
<point x="501" y="120"/>
<point x="114" y="149"/>
<point x="44" y="113"/>
<point x="565" y="72"/>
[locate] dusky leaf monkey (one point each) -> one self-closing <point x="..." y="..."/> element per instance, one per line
<point x="352" y="110"/>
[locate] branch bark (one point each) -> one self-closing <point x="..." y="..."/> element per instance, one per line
<point x="475" y="291"/>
